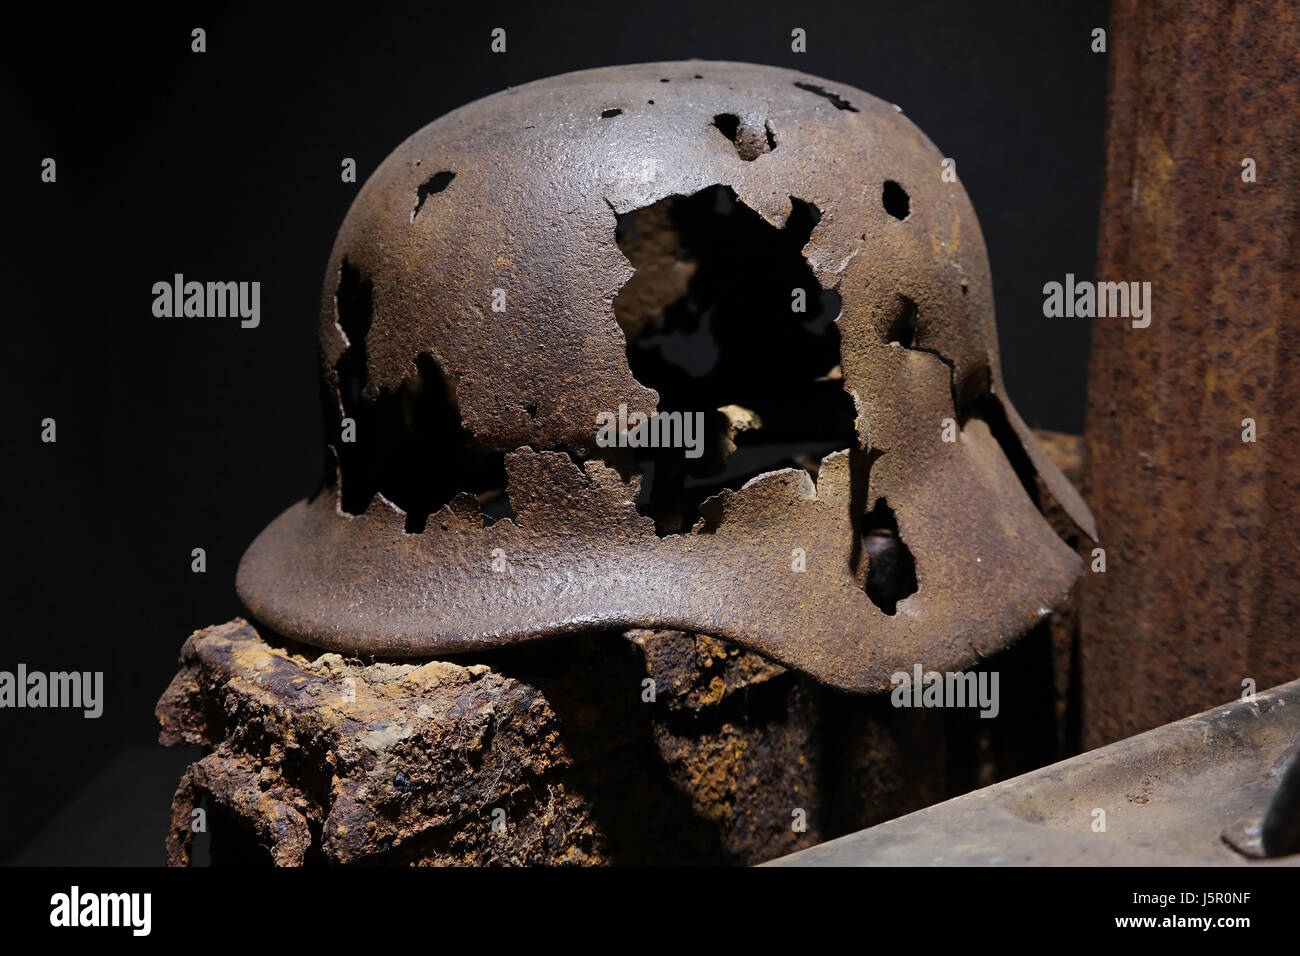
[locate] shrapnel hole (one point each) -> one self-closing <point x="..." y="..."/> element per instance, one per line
<point x="409" y="443"/>
<point x="431" y="186"/>
<point x="903" y="330"/>
<point x="710" y="325"/>
<point x="750" y="143"/>
<point x="895" y="200"/>
<point x="891" y="570"/>
<point x="729" y="124"/>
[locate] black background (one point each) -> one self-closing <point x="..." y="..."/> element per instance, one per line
<point x="182" y="433"/>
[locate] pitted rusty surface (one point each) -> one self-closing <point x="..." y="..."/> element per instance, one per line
<point x="1201" y="528"/>
<point x="327" y="760"/>
<point x="311" y="752"/>
<point x="522" y="192"/>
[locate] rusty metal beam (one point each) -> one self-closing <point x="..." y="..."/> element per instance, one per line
<point x="1201" y="529"/>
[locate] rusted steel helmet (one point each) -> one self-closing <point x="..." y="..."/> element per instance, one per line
<point x="776" y="258"/>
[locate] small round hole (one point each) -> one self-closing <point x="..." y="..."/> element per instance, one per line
<point x="895" y="200"/>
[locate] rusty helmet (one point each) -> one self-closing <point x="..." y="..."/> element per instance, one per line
<point x="697" y="346"/>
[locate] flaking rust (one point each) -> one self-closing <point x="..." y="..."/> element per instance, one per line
<point x="524" y="756"/>
<point x="327" y="760"/>
<point x="493" y="287"/>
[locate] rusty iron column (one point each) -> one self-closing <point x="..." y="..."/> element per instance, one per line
<point x="1201" y="529"/>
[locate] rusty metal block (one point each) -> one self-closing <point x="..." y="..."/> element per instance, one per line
<point x="320" y="759"/>
<point x="323" y="759"/>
